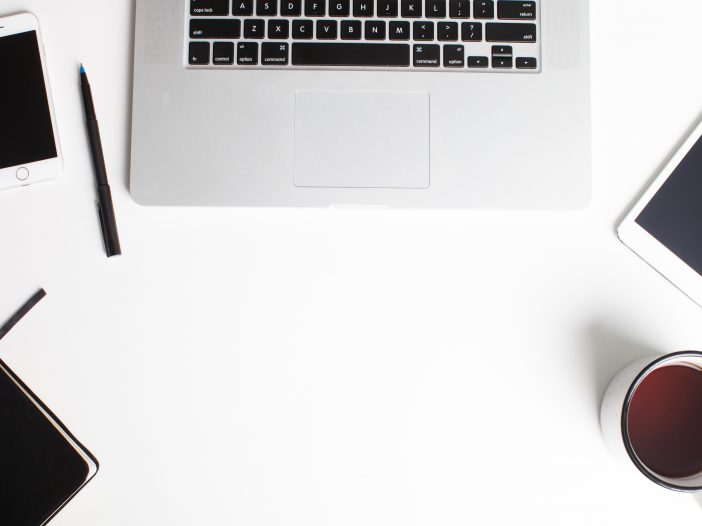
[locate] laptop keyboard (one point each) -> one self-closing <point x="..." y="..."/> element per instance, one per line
<point x="421" y="35"/>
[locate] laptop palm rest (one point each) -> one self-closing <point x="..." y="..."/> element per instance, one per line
<point x="361" y="139"/>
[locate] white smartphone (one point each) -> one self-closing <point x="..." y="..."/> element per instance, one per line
<point x="29" y="146"/>
<point x="665" y="226"/>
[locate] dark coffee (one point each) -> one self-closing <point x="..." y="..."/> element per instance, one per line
<point x="665" y="421"/>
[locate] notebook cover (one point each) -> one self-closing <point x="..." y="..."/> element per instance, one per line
<point x="53" y="419"/>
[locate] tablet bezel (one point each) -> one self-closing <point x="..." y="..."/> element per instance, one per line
<point x="660" y="257"/>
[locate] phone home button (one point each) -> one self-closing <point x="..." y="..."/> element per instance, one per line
<point x="22" y="174"/>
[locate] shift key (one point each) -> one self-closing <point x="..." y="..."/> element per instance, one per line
<point x="227" y="28"/>
<point x="497" y="32"/>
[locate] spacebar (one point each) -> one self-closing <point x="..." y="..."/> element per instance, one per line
<point x="323" y="54"/>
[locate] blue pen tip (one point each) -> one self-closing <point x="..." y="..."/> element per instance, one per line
<point x="82" y="69"/>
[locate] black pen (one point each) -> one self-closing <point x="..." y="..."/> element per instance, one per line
<point x="105" y="208"/>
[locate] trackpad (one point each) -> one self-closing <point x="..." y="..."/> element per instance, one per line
<point x="362" y="139"/>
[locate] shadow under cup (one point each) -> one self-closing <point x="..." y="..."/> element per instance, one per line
<point x="661" y="421"/>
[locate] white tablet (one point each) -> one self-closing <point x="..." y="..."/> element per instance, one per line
<point x="665" y="226"/>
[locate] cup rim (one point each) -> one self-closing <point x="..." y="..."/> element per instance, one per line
<point x="625" y="416"/>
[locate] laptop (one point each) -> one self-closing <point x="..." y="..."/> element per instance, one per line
<point x="378" y="103"/>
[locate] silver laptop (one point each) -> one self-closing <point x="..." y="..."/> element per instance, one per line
<point x="398" y="103"/>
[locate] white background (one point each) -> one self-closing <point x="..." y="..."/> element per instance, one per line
<point x="349" y="367"/>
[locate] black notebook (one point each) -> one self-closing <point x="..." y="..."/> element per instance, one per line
<point x="42" y="465"/>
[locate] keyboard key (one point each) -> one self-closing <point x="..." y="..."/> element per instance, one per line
<point x="209" y="7"/>
<point x="459" y="8"/>
<point x="484" y="9"/>
<point x="274" y="53"/>
<point x="502" y="57"/>
<point x="266" y="7"/>
<point x="435" y="8"/>
<point x="357" y="54"/>
<point x="516" y="10"/>
<point x="454" y="56"/>
<point x="242" y="7"/>
<point x="411" y="8"/>
<point x="247" y="53"/>
<point x="223" y="28"/>
<point x="314" y="7"/>
<point x="375" y="30"/>
<point x="339" y="8"/>
<point x="199" y="53"/>
<point x="477" y="62"/>
<point x="302" y="29"/>
<point x="387" y="8"/>
<point x="526" y="63"/>
<point x="501" y="51"/>
<point x="471" y="31"/>
<point x="502" y="62"/>
<point x="278" y="29"/>
<point x="351" y="30"/>
<point x="426" y="55"/>
<point x="399" y="30"/>
<point x="423" y="30"/>
<point x="362" y="7"/>
<point x="254" y="28"/>
<point x="496" y="32"/>
<point x="290" y="7"/>
<point x="326" y="29"/>
<point x="447" y="31"/>
<point x="223" y="53"/>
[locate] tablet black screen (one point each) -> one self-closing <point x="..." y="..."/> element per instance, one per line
<point x="674" y="215"/>
<point x="39" y="469"/>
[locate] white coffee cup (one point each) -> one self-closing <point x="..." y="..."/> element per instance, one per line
<point x="615" y="410"/>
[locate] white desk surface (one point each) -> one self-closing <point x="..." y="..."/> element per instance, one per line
<point x="349" y="367"/>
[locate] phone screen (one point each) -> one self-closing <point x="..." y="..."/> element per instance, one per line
<point x="674" y="215"/>
<point x="26" y="132"/>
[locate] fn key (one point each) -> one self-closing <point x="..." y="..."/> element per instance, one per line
<point x="199" y="53"/>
